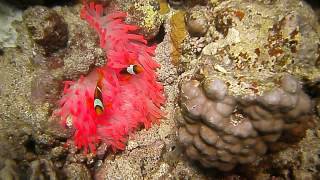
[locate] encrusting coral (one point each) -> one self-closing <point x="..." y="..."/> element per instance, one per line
<point x="196" y="21"/>
<point x="128" y="102"/>
<point x="177" y="34"/>
<point x="221" y="131"/>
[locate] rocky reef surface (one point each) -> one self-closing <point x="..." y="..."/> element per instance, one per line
<point x="246" y="90"/>
<point x="241" y="80"/>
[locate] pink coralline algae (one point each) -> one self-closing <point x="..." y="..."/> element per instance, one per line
<point x="129" y="101"/>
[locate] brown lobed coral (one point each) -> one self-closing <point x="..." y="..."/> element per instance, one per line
<point x="221" y="131"/>
<point x="247" y="99"/>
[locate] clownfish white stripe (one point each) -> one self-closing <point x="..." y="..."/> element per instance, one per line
<point x="98" y="88"/>
<point x="98" y="102"/>
<point x="130" y="69"/>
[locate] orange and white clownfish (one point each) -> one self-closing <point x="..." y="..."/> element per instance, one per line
<point x="98" y="99"/>
<point x="132" y="69"/>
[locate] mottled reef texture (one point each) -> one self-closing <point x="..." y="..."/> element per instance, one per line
<point x="53" y="45"/>
<point x="241" y="80"/>
<point x="246" y="93"/>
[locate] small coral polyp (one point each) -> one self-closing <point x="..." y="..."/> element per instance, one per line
<point x="128" y="102"/>
<point x="221" y="130"/>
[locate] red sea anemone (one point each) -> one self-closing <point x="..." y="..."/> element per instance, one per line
<point x="128" y="102"/>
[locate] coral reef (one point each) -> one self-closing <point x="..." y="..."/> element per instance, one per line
<point x="315" y="6"/>
<point x="154" y="149"/>
<point x="186" y="3"/>
<point x="144" y="14"/>
<point x="42" y="169"/>
<point x="83" y="53"/>
<point x="77" y="171"/>
<point x="164" y="7"/>
<point x="23" y="4"/>
<point x="221" y="131"/>
<point x="246" y="61"/>
<point x="246" y="95"/>
<point x="178" y="33"/>
<point x="128" y="106"/>
<point x="318" y="107"/>
<point x="30" y="85"/>
<point x="197" y="21"/>
<point x="176" y="3"/>
<point x="45" y="88"/>
<point x="8" y="14"/>
<point x="49" y="30"/>
<point x="51" y="36"/>
<point x="243" y="38"/>
<point x="9" y="170"/>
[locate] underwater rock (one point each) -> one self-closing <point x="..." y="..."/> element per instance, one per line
<point x="197" y="21"/>
<point x="300" y="163"/>
<point x="302" y="174"/>
<point x="250" y="59"/>
<point x="58" y="152"/>
<point x="164" y="7"/>
<point x="223" y="20"/>
<point x="47" y="63"/>
<point x="105" y="3"/>
<point x="30" y="84"/>
<point x="246" y="103"/>
<point x="13" y="142"/>
<point x="315" y="6"/>
<point x="9" y="170"/>
<point x="177" y="34"/>
<point x="194" y="45"/>
<point x="45" y="88"/>
<point x="77" y="171"/>
<point x="42" y="169"/>
<point x="48" y="30"/>
<point x="318" y="107"/>
<point x="83" y="52"/>
<point x="186" y="3"/>
<point x="176" y="3"/>
<point x="222" y="131"/>
<point x="145" y="14"/>
<point x="192" y="3"/>
<point x="26" y="3"/>
<point x="137" y="162"/>
<point x="8" y="34"/>
<point x="44" y="140"/>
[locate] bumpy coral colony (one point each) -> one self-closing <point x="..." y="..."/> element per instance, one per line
<point x="129" y="100"/>
<point x="222" y="131"/>
<point x="242" y="90"/>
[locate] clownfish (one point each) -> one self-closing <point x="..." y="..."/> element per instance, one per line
<point x="132" y="69"/>
<point x="98" y="100"/>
